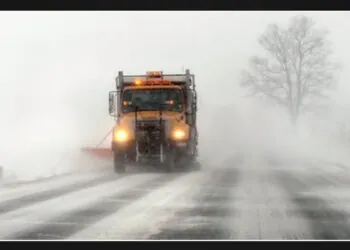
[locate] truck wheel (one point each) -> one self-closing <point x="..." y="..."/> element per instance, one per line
<point x="196" y="166"/>
<point x="119" y="162"/>
<point x="191" y="164"/>
<point x="170" y="162"/>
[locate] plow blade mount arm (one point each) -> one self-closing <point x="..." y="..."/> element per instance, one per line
<point x="100" y="152"/>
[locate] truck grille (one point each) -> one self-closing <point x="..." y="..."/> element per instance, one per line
<point x="151" y="128"/>
<point x="149" y="125"/>
<point x="149" y="134"/>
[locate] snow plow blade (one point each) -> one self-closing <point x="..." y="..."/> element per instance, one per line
<point x="100" y="153"/>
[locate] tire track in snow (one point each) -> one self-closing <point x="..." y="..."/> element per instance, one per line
<point x="143" y="217"/>
<point x="71" y="223"/>
<point x="12" y="192"/>
<point x="204" y="220"/>
<point x="327" y="223"/>
<point x="40" y="213"/>
<point x="262" y="209"/>
<point x="30" y="199"/>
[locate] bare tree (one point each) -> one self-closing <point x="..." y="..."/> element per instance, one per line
<point x="298" y="69"/>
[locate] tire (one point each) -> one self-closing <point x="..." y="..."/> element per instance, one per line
<point x="191" y="164"/>
<point x="170" y="162"/>
<point x="196" y="166"/>
<point x="118" y="162"/>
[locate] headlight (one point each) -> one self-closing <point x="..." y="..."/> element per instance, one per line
<point x="120" y="135"/>
<point x="179" y="134"/>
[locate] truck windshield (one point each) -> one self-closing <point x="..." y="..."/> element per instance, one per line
<point x="152" y="99"/>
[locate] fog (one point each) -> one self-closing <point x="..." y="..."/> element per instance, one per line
<point x="57" y="68"/>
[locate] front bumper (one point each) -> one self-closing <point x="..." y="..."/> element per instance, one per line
<point x="131" y="145"/>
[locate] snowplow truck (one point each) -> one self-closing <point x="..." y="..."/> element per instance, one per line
<point x="155" y="120"/>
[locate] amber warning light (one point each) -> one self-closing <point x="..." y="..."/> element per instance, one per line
<point x="154" y="74"/>
<point x="138" y="82"/>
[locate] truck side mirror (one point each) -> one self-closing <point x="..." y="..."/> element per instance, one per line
<point x="111" y="102"/>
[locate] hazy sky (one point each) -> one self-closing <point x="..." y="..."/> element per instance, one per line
<point x="57" y="67"/>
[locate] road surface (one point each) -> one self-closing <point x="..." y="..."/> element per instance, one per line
<point x="240" y="198"/>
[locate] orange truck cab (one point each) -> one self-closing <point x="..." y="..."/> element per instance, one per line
<point x="155" y="118"/>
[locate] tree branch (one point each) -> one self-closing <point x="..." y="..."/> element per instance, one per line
<point x="298" y="65"/>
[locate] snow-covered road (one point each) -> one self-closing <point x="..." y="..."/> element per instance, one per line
<point x="246" y="198"/>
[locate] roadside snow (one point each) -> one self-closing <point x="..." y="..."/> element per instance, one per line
<point x="37" y="165"/>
